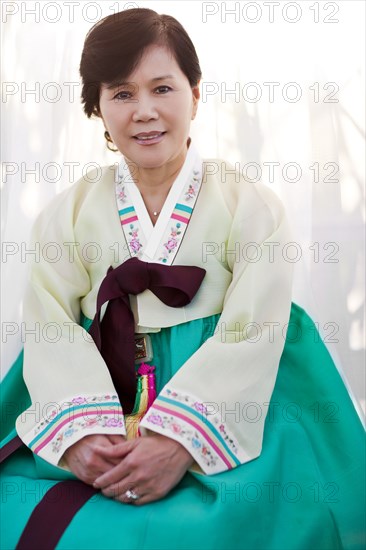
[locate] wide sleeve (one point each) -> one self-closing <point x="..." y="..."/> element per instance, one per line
<point x="71" y="390"/>
<point x="216" y="404"/>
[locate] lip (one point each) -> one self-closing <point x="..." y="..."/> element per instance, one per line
<point x="146" y="138"/>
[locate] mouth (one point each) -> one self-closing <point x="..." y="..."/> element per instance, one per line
<point x="148" y="137"/>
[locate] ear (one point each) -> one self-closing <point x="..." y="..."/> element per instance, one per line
<point x="196" y="97"/>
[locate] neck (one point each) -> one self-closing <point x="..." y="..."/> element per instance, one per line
<point x="156" y="182"/>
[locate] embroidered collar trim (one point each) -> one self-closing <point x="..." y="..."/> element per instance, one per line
<point x="160" y="242"/>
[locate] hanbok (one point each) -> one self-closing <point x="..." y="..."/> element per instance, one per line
<point x="242" y="378"/>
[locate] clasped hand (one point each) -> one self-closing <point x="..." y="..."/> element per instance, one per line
<point x="150" y="466"/>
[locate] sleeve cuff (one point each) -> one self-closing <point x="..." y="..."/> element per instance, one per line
<point x="65" y="424"/>
<point x="187" y="420"/>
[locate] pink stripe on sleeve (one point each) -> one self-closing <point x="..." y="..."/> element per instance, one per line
<point x="54" y="432"/>
<point x="198" y="428"/>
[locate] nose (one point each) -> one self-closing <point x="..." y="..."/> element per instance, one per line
<point x="145" y="109"/>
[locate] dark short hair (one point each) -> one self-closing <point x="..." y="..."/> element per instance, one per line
<point x="114" y="46"/>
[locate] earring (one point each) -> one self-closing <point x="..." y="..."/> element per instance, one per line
<point x="109" y="142"/>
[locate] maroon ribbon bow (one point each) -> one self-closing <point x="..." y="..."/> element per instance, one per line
<point x="114" y="335"/>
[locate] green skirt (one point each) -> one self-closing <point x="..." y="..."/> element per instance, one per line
<point x="306" y="489"/>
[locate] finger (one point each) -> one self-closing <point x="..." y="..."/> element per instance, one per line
<point x="88" y="476"/>
<point x="112" y="461"/>
<point x="128" y="500"/>
<point x="118" y="490"/>
<point x="116" y="439"/>
<point x="100" y="458"/>
<point x="114" y="475"/>
<point x="105" y="465"/>
<point x="116" y="451"/>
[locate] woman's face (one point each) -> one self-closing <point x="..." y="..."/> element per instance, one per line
<point x="157" y="100"/>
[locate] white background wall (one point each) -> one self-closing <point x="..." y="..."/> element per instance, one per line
<point x="310" y="54"/>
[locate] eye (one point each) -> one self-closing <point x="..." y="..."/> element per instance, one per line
<point x="122" y="95"/>
<point x="163" y="89"/>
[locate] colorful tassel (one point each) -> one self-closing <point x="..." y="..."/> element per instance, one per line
<point x="145" y="396"/>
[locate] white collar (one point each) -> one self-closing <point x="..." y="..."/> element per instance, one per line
<point x="153" y="233"/>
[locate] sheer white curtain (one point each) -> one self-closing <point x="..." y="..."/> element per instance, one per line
<point x="282" y="98"/>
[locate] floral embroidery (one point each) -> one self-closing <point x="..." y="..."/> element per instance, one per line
<point x="78" y="425"/>
<point x="191" y="193"/>
<point x="91" y="423"/>
<point x="96" y="411"/>
<point x="114" y="423"/>
<point x="134" y="240"/>
<point x="179" y="220"/>
<point x="186" y="432"/>
<point x="200" y="407"/>
<point x="155" y="419"/>
<point x="176" y="428"/>
<point x="192" y="188"/>
<point x="214" y="418"/>
<point x="75" y="401"/>
<point x="134" y="243"/>
<point x="201" y="430"/>
<point x="121" y="194"/>
<point x="78" y="401"/>
<point x="57" y="443"/>
<point x="171" y="243"/>
<point x="196" y="443"/>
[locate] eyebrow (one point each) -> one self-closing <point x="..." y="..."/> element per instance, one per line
<point x="117" y="83"/>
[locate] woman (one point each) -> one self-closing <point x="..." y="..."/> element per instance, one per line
<point x="189" y="258"/>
